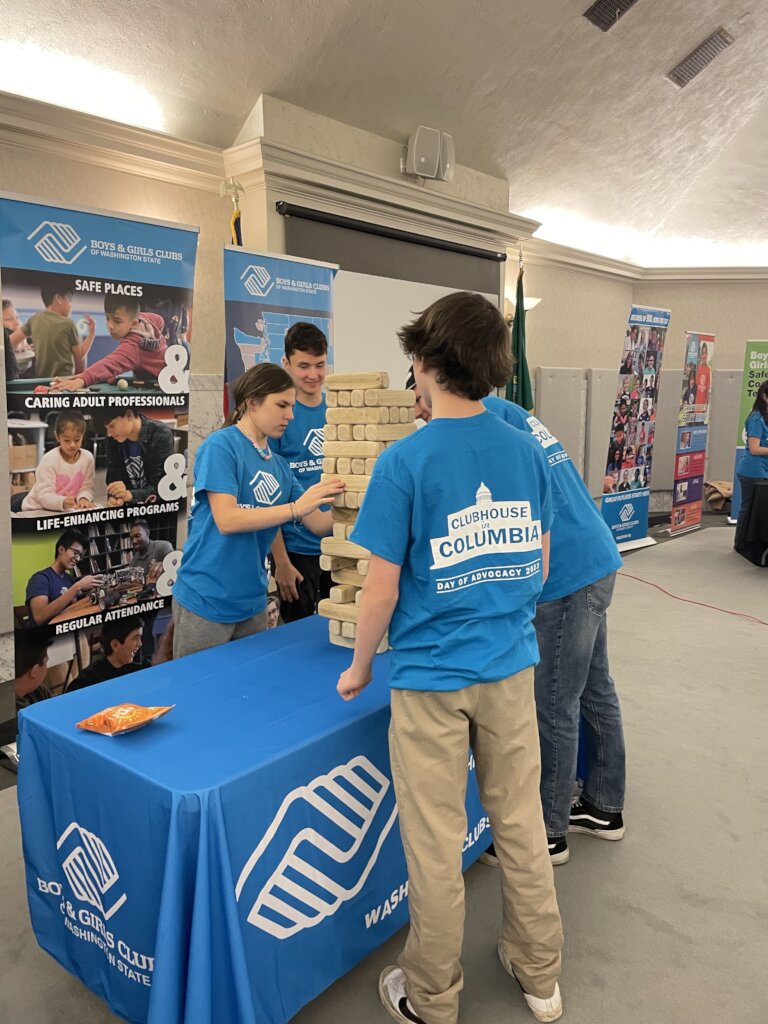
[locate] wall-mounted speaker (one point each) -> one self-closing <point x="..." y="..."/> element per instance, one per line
<point x="423" y="156"/>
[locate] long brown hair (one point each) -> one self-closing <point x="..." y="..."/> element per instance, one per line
<point x="258" y="382"/>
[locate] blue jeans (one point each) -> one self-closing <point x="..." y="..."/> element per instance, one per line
<point x="572" y="680"/>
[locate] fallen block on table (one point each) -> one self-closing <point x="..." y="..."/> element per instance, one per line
<point x="348" y="381"/>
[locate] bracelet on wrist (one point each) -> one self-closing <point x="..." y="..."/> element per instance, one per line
<point x="296" y="518"/>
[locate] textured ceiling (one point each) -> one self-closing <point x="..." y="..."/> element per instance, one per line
<point x="592" y="138"/>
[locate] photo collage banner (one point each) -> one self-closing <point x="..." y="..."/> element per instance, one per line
<point x="755" y="372"/>
<point x="263" y="296"/>
<point x="626" y="487"/>
<point x="692" y="432"/>
<point x="97" y="316"/>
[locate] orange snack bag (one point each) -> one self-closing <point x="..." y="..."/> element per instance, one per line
<point x="122" y="718"/>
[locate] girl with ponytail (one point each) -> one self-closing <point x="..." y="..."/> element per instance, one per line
<point x="243" y="492"/>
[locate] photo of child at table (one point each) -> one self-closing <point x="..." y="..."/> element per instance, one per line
<point x="53" y="589"/>
<point x="147" y="554"/>
<point x="243" y="491"/>
<point x="65" y="478"/>
<point x="137" y="448"/>
<point x="59" y="349"/>
<point x="31" y="666"/>
<point x="461" y="668"/>
<point x="140" y="346"/>
<point x="120" y="643"/>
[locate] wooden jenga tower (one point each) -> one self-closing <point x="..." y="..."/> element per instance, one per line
<point x="364" y="417"/>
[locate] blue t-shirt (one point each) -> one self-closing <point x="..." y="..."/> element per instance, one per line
<point x="755" y="465"/>
<point x="223" y="576"/>
<point x="48" y="583"/>
<point x="461" y="505"/>
<point x="302" y="448"/>
<point x="582" y="549"/>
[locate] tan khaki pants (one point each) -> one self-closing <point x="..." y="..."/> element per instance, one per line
<point x="428" y="741"/>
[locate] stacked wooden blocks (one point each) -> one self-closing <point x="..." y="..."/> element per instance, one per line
<point x="364" y="416"/>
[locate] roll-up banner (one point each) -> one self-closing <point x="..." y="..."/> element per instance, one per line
<point x="627" y="483"/>
<point x="692" y="431"/>
<point x="263" y="296"/>
<point x="97" y="316"/>
<point x="755" y="372"/>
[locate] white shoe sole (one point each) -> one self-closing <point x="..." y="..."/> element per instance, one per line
<point x="386" y="1002"/>
<point x="612" y="836"/>
<point x="560" y="858"/>
<point x="543" y="1015"/>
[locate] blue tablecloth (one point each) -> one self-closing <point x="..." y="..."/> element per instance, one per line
<point x="228" y="862"/>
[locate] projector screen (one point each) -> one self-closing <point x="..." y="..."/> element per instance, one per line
<point x="367" y="313"/>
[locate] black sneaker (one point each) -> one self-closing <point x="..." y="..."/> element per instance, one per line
<point x="590" y="820"/>
<point x="558" y="849"/>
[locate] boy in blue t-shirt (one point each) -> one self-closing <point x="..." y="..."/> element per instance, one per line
<point x="296" y="550"/>
<point x="457" y="519"/>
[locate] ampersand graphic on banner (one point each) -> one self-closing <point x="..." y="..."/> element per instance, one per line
<point x="174" y="376"/>
<point x="173" y="486"/>
<point x="167" y="578"/>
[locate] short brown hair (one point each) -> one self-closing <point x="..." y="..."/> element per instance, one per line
<point x="465" y="340"/>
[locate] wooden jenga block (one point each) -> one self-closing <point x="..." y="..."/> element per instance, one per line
<point x="353" y="449"/>
<point x="343" y="641"/>
<point x="338" y="501"/>
<point x="352" y="499"/>
<point x="331" y="399"/>
<point x="369" y="464"/>
<point x="332" y="563"/>
<point x="358" y="596"/>
<point x="357" y="466"/>
<point x="343" y="549"/>
<point x="343" y="594"/>
<point x="348" y="381"/>
<point x="343" y="612"/>
<point x="344" y="431"/>
<point x="329" y="466"/>
<point x="358" y="398"/>
<point x="407" y="415"/>
<point x="385" y="414"/>
<point x="362" y="566"/>
<point x="348" y="630"/>
<point x="390" y="432"/>
<point x="358" y="431"/>
<point x="351" y="482"/>
<point x="362" y="415"/>
<point x="343" y="515"/>
<point x="344" y="398"/>
<point x="334" y="627"/>
<point x="340" y="531"/>
<point x="388" y="397"/>
<point x="342" y="465"/>
<point x="330" y="431"/>
<point x="351" y="576"/>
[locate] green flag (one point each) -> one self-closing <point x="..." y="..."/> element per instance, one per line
<point x="519" y="388"/>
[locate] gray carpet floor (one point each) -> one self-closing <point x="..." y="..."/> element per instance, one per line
<point x="669" y="926"/>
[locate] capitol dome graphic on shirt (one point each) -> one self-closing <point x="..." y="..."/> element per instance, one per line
<point x="483" y="496"/>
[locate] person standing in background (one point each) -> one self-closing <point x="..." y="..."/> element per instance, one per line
<point x="754" y="465"/>
<point x="296" y="550"/>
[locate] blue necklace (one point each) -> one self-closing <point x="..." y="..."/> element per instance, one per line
<point x="265" y="453"/>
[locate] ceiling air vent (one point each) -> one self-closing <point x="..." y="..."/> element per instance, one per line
<point x="700" y="58"/>
<point x="605" y="13"/>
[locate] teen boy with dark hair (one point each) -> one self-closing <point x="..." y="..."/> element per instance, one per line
<point x="120" y="643"/>
<point x="51" y="590"/>
<point x="457" y="519"/>
<point x="295" y="550"/>
<point x="137" y="448"/>
<point x="59" y="351"/>
<point x="31" y="667"/>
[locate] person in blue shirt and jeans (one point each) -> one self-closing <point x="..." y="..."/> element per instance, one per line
<point x="295" y="549"/>
<point x="457" y="519"/>
<point x="754" y="465"/>
<point x="243" y="492"/>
